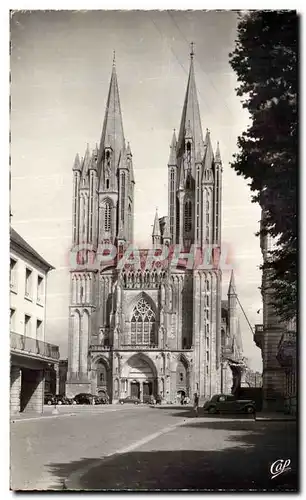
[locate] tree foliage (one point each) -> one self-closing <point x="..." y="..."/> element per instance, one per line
<point x="265" y="60"/>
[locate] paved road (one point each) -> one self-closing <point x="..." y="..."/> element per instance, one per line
<point x="144" y="448"/>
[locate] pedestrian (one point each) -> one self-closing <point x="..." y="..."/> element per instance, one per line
<point x="196" y="404"/>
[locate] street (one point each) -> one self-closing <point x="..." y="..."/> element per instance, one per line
<point x="141" y="448"/>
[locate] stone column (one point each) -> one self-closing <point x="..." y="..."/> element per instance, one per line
<point x="15" y="391"/>
<point x="56" y="368"/>
<point x="36" y="400"/>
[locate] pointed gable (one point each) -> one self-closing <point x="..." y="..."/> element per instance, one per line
<point x="191" y="121"/>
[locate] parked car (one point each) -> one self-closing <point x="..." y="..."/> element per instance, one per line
<point x="63" y="400"/>
<point x="49" y="399"/>
<point x="130" y="399"/>
<point x="85" y="398"/>
<point x="227" y="403"/>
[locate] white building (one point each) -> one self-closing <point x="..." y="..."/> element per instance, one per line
<point x="30" y="354"/>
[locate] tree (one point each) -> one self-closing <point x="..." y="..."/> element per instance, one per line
<point x="265" y="61"/>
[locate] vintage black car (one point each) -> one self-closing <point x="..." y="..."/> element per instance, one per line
<point x="49" y="399"/>
<point x="130" y="399"/>
<point x="227" y="403"/>
<point x="85" y="398"/>
<point x="63" y="400"/>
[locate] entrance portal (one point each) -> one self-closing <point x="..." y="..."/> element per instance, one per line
<point x="135" y="389"/>
<point x="139" y="378"/>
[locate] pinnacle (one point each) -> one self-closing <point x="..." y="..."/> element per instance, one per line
<point x="77" y="163"/>
<point x="232" y="286"/>
<point x="218" y="155"/>
<point x="156" y="226"/>
<point x="172" y="157"/>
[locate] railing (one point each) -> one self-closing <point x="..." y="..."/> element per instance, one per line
<point x="139" y="347"/>
<point x="33" y="346"/>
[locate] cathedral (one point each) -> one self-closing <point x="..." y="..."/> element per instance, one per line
<point x="147" y="330"/>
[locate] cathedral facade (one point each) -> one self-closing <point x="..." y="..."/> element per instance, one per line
<point x="145" y="329"/>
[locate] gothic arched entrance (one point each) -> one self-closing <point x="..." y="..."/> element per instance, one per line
<point x="101" y="380"/>
<point x="139" y="378"/>
<point x="182" y="378"/>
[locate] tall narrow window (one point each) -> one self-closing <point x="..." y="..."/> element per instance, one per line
<point x="28" y="283"/>
<point x="39" y="332"/>
<point x="107" y="217"/>
<point x="27" y="325"/>
<point x="40" y="288"/>
<point x="13" y="274"/>
<point x="177" y="219"/>
<point x="107" y="183"/>
<point x="122" y="196"/>
<point x="12" y="319"/>
<point x="187" y="216"/>
<point x="172" y="200"/>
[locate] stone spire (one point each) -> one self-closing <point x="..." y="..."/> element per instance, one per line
<point x="232" y="286"/>
<point x="112" y="132"/>
<point x="191" y="120"/>
<point x="172" y="157"/>
<point x="218" y="155"/>
<point x="86" y="164"/>
<point x="156" y="226"/>
<point x="77" y="163"/>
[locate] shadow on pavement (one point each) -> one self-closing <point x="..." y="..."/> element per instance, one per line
<point x="242" y="465"/>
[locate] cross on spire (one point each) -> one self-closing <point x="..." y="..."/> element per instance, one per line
<point x="192" y="50"/>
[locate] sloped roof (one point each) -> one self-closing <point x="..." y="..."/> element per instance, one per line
<point x="16" y="239"/>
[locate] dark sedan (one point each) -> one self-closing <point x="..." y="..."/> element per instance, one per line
<point x="130" y="399"/>
<point x="49" y="399"/>
<point x="63" y="400"/>
<point x="85" y="398"/>
<point x="227" y="403"/>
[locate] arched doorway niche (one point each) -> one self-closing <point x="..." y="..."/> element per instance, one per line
<point x="182" y="378"/>
<point x="101" y="377"/>
<point x="139" y="378"/>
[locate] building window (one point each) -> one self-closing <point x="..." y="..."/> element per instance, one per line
<point x="12" y="319"/>
<point x="39" y="324"/>
<point x="107" y="217"/>
<point x="207" y="343"/>
<point x="207" y="356"/>
<point x="207" y="314"/>
<point x="27" y="325"/>
<point x="187" y="216"/>
<point x="181" y="377"/>
<point x="107" y="183"/>
<point x="143" y="324"/>
<point x="13" y="274"/>
<point x="28" y="283"/>
<point x="101" y="377"/>
<point x="122" y="202"/>
<point x="40" y="288"/>
<point x="207" y="328"/>
<point x="207" y="301"/>
<point x="207" y="370"/>
<point x="207" y="285"/>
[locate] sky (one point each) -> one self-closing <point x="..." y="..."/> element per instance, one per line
<point x="60" y="71"/>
